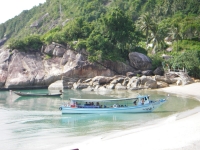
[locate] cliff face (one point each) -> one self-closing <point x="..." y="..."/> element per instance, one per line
<point x="32" y="69"/>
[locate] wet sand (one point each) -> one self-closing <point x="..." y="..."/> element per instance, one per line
<point x="177" y="132"/>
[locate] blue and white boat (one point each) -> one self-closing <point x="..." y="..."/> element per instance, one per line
<point x="140" y="104"/>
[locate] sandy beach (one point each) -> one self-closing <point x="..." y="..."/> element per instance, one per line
<point x="177" y="132"/>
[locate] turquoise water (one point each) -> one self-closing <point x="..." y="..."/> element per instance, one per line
<point x="36" y="123"/>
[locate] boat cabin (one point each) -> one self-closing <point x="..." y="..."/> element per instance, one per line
<point x="143" y="99"/>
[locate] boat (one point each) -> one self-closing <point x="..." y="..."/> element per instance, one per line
<point x="140" y="104"/>
<point x="38" y="94"/>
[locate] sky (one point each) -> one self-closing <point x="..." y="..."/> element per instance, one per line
<point x="11" y="8"/>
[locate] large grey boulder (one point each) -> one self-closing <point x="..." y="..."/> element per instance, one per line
<point x="118" y="67"/>
<point x="59" y="51"/>
<point x="49" y="49"/>
<point x="159" y="71"/>
<point x="25" y="70"/>
<point x="101" y="80"/>
<point x="152" y="84"/>
<point x="161" y="84"/>
<point x="140" y="61"/>
<point x="167" y="79"/>
<point x="58" y="85"/>
<point x="148" y="82"/>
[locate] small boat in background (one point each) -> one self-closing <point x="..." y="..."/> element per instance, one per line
<point x="140" y="104"/>
<point x="38" y="94"/>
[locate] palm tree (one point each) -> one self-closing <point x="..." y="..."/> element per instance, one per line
<point x="175" y="34"/>
<point x="157" y="38"/>
<point x="146" y="24"/>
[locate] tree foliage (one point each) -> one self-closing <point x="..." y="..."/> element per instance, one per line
<point x="29" y="43"/>
<point x="113" y="37"/>
<point x="188" y="60"/>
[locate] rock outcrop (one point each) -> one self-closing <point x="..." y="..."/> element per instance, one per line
<point x="59" y="62"/>
<point x="3" y="40"/>
<point x="39" y="21"/>
<point x="40" y="69"/>
<point x="140" y="61"/>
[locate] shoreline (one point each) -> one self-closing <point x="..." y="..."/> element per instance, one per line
<point x="179" y="131"/>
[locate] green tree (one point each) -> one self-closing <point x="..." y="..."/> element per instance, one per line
<point x="113" y="37"/>
<point x="176" y="34"/>
<point x="146" y="25"/>
<point x="188" y="60"/>
<point x="157" y="38"/>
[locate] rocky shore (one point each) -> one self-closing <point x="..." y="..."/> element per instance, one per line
<point x="56" y="63"/>
<point x="120" y="82"/>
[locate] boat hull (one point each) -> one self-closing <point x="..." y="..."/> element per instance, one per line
<point x="134" y="109"/>
<point x="42" y="95"/>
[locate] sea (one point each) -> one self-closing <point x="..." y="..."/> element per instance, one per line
<point x="36" y="123"/>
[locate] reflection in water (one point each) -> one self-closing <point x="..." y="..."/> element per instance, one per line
<point x="28" y="121"/>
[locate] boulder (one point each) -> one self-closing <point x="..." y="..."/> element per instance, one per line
<point x="125" y="82"/>
<point x="101" y="80"/>
<point x="27" y="70"/>
<point x="118" y="67"/>
<point x="119" y="86"/>
<point x="144" y="79"/>
<point x="118" y="79"/>
<point x="132" y="82"/>
<point x="158" y="71"/>
<point x="49" y="49"/>
<point x="148" y="82"/>
<point x="162" y="84"/>
<point x="79" y="85"/>
<point x="147" y="72"/>
<point x="140" y="61"/>
<point x="58" y="85"/>
<point x="59" y="51"/>
<point x="152" y="84"/>
<point x="165" y="79"/>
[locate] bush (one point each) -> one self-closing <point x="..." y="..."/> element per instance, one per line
<point x="157" y="61"/>
<point x="32" y="42"/>
<point x="189" y="45"/>
<point x="188" y="60"/>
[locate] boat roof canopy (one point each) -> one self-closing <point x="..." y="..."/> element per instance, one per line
<point x="100" y="100"/>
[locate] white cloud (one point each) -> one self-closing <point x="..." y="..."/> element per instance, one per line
<point x="12" y="8"/>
